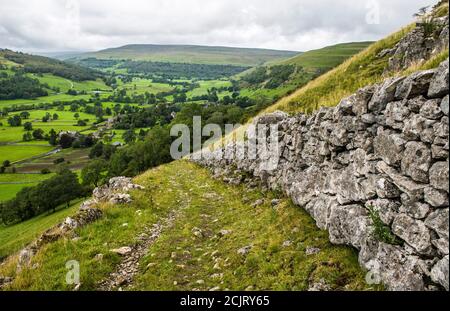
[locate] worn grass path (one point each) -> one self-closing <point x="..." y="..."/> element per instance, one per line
<point x="186" y="230"/>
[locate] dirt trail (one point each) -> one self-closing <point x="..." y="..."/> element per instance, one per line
<point x="123" y="275"/>
<point x="122" y="278"/>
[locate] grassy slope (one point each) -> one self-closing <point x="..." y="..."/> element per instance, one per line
<point x="328" y="57"/>
<point x="327" y="90"/>
<point x="211" y="206"/>
<point x="13" y="238"/>
<point x="10" y="184"/>
<point x="54" y="81"/>
<point x="361" y="70"/>
<point x="320" y="60"/>
<point x="15" y="153"/>
<point x="192" y="54"/>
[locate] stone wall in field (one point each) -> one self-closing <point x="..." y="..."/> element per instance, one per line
<point x="373" y="171"/>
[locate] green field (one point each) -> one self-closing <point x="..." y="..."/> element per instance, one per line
<point x="22" y="178"/>
<point x="64" y="84"/>
<point x="66" y="122"/>
<point x="75" y="159"/>
<point x="16" y="153"/>
<point x="206" y="85"/>
<point x="13" y="238"/>
<point x="140" y="86"/>
<point x="43" y="100"/>
<point x="192" y="54"/>
<point x="10" y="184"/>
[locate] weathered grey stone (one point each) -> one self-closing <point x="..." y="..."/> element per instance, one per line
<point x="320" y="208"/>
<point x="348" y="225"/>
<point x="307" y="184"/>
<point x="440" y="272"/>
<point x="439" y="152"/>
<point x="435" y="198"/>
<point x="414" y="232"/>
<point x="444" y="105"/>
<point x="368" y="118"/>
<point x="416" y="161"/>
<point x="245" y="250"/>
<point x="414" y="127"/>
<point x="394" y="159"/>
<point x="389" y="147"/>
<point x="408" y="186"/>
<point x="384" y="94"/>
<point x="396" y="113"/>
<point x="439" y="176"/>
<point x="441" y="245"/>
<point x="414" y="85"/>
<point x="438" y="221"/>
<point x="431" y="109"/>
<point x="361" y="99"/>
<point x="414" y="104"/>
<point x="416" y="210"/>
<point x="339" y="136"/>
<point x="350" y="188"/>
<point x="386" y="189"/>
<point x="391" y="264"/>
<point x="439" y="83"/>
<point x="441" y="128"/>
<point x="123" y="251"/>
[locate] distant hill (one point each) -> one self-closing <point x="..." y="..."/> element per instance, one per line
<point x="276" y="79"/>
<point x="327" y="57"/>
<point x="40" y="65"/>
<point x="192" y="54"/>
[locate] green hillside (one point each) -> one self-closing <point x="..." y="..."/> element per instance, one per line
<point x="180" y="260"/>
<point x="192" y="54"/>
<point x="40" y="64"/>
<point x="277" y="79"/>
<point x="328" y="57"/>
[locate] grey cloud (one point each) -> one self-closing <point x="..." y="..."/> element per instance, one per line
<point x="283" y="24"/>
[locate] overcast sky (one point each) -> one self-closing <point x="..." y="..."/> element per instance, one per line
<point x="300" y="25"/>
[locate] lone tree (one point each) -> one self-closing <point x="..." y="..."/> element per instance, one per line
<point x="25" y="115"/>
<point x="94" y="173"/>
<point x="28" y="126"/>
<point x="15" y="121"/>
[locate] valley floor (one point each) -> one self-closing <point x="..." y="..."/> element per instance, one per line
<point x="191" y="232"/>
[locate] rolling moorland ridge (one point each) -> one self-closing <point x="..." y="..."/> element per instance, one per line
<point x="362" y="186"/>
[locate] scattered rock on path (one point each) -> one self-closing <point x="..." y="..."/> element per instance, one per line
<point x="122" y="251"/>
<point x="245" y="250"/>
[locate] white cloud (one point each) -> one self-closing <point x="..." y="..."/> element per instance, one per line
<point x="55" y="25"/>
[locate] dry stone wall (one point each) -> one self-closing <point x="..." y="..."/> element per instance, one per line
<point x="383" y="149"/>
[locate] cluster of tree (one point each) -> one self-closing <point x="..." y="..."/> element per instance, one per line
<point x="40" y="64"/>
<point x="19" y="86"/>
<point x="66" y="140"/>
<point x="182" y="70"/>
<point x="36" y="134"/>
<point x="137" y="157"/>
<point x="92" y="62"/>
<point x="272" y="77"/>
<point x="46" y="106"/>
<point x="136" y="117"/>
<point x="30" y="202"/>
